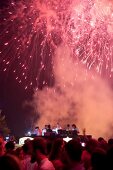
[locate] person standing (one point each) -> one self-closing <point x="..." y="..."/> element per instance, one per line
<point x="39" y="154"/>
<point x="38" y="131"/>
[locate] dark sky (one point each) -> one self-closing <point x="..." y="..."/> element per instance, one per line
<point x="12" y="98"/>
<point x="13" y="95"/>
<point x="20" y="117"/>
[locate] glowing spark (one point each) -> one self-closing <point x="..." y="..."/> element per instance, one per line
<point x="31" y="30"/>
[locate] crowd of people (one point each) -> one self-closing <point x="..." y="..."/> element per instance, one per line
<point x="43" y="153"/>
<point x="69" y="129"/>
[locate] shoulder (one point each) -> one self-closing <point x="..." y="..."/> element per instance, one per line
<point x="47" y="165"/>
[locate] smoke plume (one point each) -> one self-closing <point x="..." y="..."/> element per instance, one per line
<point x="77" y="97"/>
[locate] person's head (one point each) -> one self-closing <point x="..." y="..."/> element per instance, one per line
<point x="110" y="142"/>
<point x="73" y="150"/>
<point x="49" y="126"/>
<point x="68" y="125"/>
<point x="9" y="146"/>
<point x="46" y="126"/>
<point x="39" y="146"/>
<point x="56" y="149"/>
<point x="100" y="139"/>
<point x="58" y="124"/>
<point x="91" y="145"/>
<point x="27" y="147"/>
<point x="19" y="153"/>
<point x="73" y="126"/>
<point x="98" y="159"/>
<point x="103" y="143"/>
<point x="9" y="162"/>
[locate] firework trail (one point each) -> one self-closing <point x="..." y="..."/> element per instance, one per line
<point x="31" y="30"/>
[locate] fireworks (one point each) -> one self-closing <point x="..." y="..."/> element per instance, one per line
<point x="31" y="30"/>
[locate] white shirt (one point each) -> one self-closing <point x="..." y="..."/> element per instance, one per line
<point x="45" y="164"/>
<point x="27" y="165"/>
<point x="43" y="132"/>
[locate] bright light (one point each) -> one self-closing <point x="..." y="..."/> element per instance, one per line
<point x="67" y="139"/>
<point x="22" y="140"/>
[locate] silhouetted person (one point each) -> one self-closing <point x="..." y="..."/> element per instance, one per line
<point x="110" y="143"/>
<point x="44" y="130"/>
<point x="98" y="160"/>
<point x="68" y="128"/>
<point x="37" y="131"/>
<point x="9" y="162"/>
<point x="39" y="154"/>
<point x="75" y="130"/>
<point x="26" y="163"/>
<point x="56" y="154"/>
<point x="91" y="145"/>
<point x="10" y="146"/>
<point x="73" y="153"/>
<point x="49" y="128"/>
<point x="110" y="158"/>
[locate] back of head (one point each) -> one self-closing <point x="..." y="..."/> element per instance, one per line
<point x="39" y="143"/>
<point x="74" y="150"/>
<point x="68" y="125"/>
<point x="39" y="149"/>
<point x="98" y="159"/>
<point x="9" y="162"/>
<point x="10" y="145"/>
<point x="91" y="145"/>
<point x="100" y="139"/>
<point x="56" y="148"/>
<point x="73" y="126"/>
<point x="27" y="147"/>
<point x="110" y="142"/>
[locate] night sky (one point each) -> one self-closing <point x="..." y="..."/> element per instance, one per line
<point x="13" y="95"/>
<point x="12" y="98"/>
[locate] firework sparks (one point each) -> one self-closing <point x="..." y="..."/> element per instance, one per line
<point x="31" y="30"/>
